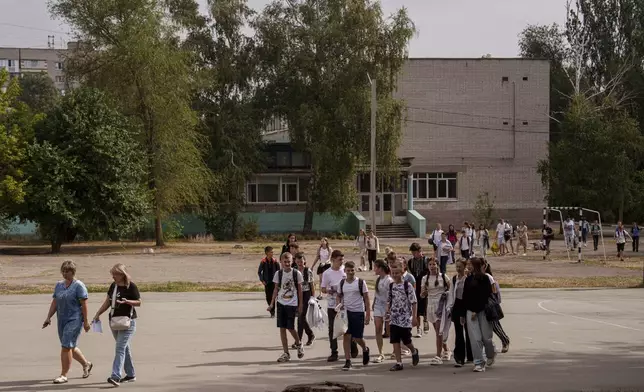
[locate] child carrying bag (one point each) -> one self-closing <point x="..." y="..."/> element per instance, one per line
<point x="119" y="323"/>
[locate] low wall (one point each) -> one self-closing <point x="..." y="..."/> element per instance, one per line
<point x="286" y="222"/>
<point x="417" y="222"/>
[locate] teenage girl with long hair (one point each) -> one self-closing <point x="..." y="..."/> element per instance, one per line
<point x="380" y="304"/>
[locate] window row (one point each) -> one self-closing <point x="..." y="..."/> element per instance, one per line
<point x="277" y="190"/>
<point x="432" y="186"/>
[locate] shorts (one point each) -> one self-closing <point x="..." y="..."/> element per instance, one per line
<point x="355" y="324"/>
<point x="69" y="331"/>
<point x="620" y="247"/>
<point x="465" y="254"/>
<point x="286" y="316"/>
<point x="323" y="267"/>
<point x="399" y="335"/>
<point x="379" y="310"/>
<point x="501" y="240"/>
<point x="372" y="254"/>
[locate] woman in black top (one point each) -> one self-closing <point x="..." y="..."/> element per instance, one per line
<point x="477" y="289"/>
<point x="122" y="296"/>
<point x="291" y="239"/>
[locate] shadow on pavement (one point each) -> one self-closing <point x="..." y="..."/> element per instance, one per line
<point x="243" y="349"/>
<point x="257" y="317"/>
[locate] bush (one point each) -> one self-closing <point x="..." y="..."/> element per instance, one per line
<point x="248" y="229"/>
<point x="484" y="209"/>
<point x="172" y="229"/>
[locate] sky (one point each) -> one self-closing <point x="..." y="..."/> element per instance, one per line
<point x="446" y="28"/>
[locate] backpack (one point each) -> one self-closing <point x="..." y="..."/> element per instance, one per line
<point x="305" y="274"/>
<point x="281" y="274"/>
<point x="360" y="286"/>
<point x="469" y="242"/>
<point x="391" y="295"/>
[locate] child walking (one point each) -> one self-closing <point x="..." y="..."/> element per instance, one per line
<point x="266" y="272"/>
<point x="353" y="296"/>
<point x="288" y="294"/>
<point x="402" y="311"/>
<point x="380" y="304"/>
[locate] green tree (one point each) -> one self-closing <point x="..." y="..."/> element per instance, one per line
<point x="12" y="150"/>
<point x="130" y="50"/>
<point x="225" y="102"/>
<point x="84" y="170"/>
<point x="316" y="57"/>
<point x="484" y="209"/>
<point x="38" y="92"/>
<point x="594" y="163"/>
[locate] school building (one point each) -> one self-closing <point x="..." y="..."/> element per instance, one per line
<point x="472" y="126"/>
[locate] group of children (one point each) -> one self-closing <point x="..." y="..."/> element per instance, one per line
<point x="399" y="305"/>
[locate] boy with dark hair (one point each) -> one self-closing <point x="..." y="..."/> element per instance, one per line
<point x="288" y="298"/>
<point x="353" y="296"/>
<point x="401" y="308"/>
<point x="308" y="292"/>
<point x="417" y="266"/>
<point x="266" y="271"/>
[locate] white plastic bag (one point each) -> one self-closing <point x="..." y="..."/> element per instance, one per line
<point x="315" y="316"/>
<point x="340" y="324"/>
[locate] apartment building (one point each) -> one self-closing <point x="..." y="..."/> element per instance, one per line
<point x="21" y="61"/>
<point x="473" y="126"/>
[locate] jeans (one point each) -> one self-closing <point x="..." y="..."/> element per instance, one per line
<point x="268" y="290"/>
<point x="332" y="342"/>
<point x="480" y="332"/>
<point x="123" y="355"/>
<point x="443" y="265"/>
<point x="636" y="243"/>
<point x="302" y="325"/>
<point x="595" y="241"/>
<point x="584" y="235"/>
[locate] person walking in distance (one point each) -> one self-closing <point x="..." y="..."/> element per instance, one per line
<point x="331" y="279"/>
<point x="361" y="243"/>
<point x="123" y="297"/>
<point x="595" y="231"/>
<point x="435" y="238"/>
<point x="452" y="237"/>
<point x="569" y="233"/>
<point x="620" y="239"/>
<point x="266" y="271"/>
<point x="500" y="237"/>
<point x="584" y="227"/>
<point x="418" y="267"/>
<point x="322" y="260"/>
<point x="353" y="296"/>
<point x="69" y="304"/>
<point x="465" y="244"/>
<point x="308" y="292"/>
<point x="522" y="234"/>
<point x="462" y="349"/>
<point x="373" y="248"/>
<point x="290" y="240"/>
<point x="401" y="307"/>
<point x="445" y="251"/>
<point x="435" y="288"/>
<point x="380" y="304"/>
<point x="635" y="235"/>
<point x="476" y="291"/>
<point x="496" y="325"/>
<point x="483" y="238"/>
<point x="287" y="298"/>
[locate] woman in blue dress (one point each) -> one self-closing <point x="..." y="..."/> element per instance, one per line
<point x="70" y="305"/>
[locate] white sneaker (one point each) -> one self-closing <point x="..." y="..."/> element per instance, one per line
<point x="436" y="361"/>
<point x="379" y="359"/>
<point x="524" y="255"/>
<point x="419" y="333"/>
<point x="406" y="353"/>
<point x="87" y="369"/>
<point x="60" y="380"/>
<point x="479" y="368"/>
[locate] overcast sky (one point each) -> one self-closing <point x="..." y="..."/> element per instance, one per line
<point x="446" y="28"/>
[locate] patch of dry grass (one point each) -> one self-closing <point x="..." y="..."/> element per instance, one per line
<point x="162" y="287"/>
<point x="530" y="282"/>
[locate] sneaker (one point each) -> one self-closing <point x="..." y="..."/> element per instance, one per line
<point x="479" y="368"/>
<point x="405" y="352"/>
<point x="385" y="336"/>
<point x="415" y="358"/>
<point x="310" y="340"/>
<point x="114" y="381"/>
<point x="365" y="356"/>
<point x="87" y="369"/>
<point x="458" y="364"/>
<point x="128" y="379"/>
<point x="419" y="333"/>
<point x="426" y="326"/>
<point x="489" y="362"/>
<point x="393" y="356"/>
<point x="506" y="348"/>
<point x="294" y="346"/>
<point x="300" y="351"/>
<point x="332" y="358"/>
<point x="446" y="355"/>
<point x="60" y="380"/>
<point x="379" y="359"/>
<point x="354" y="350"/>
<point x="396" y="368"/>
<point x="524" y="255"/>
<point x="347" y="365"/>
<point x="285" y="357"/>
<point x="436" y="361"/>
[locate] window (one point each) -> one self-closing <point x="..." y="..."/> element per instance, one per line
<point x="525" y="78"/>
<point x="505" y="79"/>
<point x="59" y="65"/>
<point x="283" y="159"/>
<point x="10" y="63"/>
<point x="434" y="186"/>
<point x="60" y="79"/>
<point x="33" y="63"/>
<point x="298" y="160"/>
<point x="277" y="190"/>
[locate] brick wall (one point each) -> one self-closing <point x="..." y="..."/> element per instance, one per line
<point x="460" y="119"/>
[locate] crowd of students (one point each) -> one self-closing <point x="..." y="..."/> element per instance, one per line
<point x="413" y="293"/>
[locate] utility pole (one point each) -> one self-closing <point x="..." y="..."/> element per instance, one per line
<point x="372" y="197"/>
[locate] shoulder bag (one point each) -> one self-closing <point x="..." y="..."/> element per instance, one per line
<point x="119" y="323"/>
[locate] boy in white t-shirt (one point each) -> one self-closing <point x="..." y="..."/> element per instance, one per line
<point x="288" y="297"/>
<point x="329" y="285"/>
<point x="353" y="296"/>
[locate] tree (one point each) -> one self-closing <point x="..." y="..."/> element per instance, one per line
<point x="594" y="163"/>
<point x="84" y="170"/>
<point x="484" y="209"/>
<point x="225" y="102"/>
<point x="12" y="150"/>
<point x="316" y="58"/>
<point x="130" y="49"/>
<point x="38" y="92"/>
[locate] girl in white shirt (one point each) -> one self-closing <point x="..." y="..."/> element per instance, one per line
<point x="361" y="243"/>
<point x="434" y="286"/>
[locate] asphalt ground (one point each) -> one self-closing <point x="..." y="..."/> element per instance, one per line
<point x="561" y="340"/>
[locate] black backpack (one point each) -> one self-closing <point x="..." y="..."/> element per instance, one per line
<point x="281" y="274"/>
<point x="360" y="286"/>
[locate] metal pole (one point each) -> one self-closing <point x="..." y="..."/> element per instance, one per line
<point x="601" y="229"/>
<point x="561" y="218"/>
<point x="372" y="197"/>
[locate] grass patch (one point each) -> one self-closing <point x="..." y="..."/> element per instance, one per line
<point x="161" y="287"/>
<point x="527" y="282"/>
<point x="634" y="265"/>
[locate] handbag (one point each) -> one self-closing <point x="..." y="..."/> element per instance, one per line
<point x="493" y="311"/>
<point x="119" y="323"/>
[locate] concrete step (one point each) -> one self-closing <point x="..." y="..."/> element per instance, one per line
<point x="393" y="231"/>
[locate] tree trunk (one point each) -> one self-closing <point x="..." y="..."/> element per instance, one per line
<point x="57" y="239"/>
<point x="158" y="230"/>
<point x="308" y="217"/>
<point x="326" y="387"/>
<point x="620" y="213"/>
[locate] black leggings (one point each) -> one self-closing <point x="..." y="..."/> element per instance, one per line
<point x="268" y="290"/>
<point x="372" y="255"/>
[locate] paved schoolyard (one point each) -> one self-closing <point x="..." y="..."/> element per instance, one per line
<point x="562" y="340"/>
